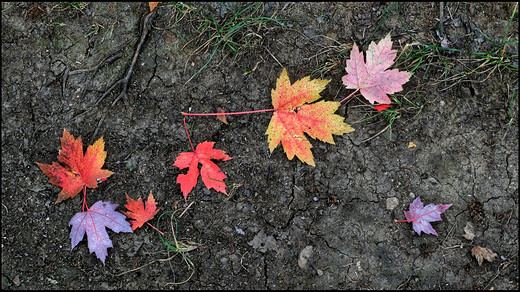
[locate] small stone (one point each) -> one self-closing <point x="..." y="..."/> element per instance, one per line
<point x="16" y="280"/>
<point x="305" y="255"/>
<point x="433" y="181"/>
<point x="392" y="203"/>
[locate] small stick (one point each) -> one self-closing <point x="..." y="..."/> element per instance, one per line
<point x="186" y="209"/>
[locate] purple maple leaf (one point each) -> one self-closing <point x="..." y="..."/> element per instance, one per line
<point x="94" y="221"/>
<point x="421" y="216"/>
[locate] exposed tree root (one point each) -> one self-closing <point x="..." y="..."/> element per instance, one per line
<point x="146" y="25"/>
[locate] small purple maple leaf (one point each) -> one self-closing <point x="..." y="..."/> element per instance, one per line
<point x="421" y="216"/>
<point x="94" y="221"/>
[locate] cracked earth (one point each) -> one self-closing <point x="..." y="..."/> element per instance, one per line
<point x="285" y="225"/>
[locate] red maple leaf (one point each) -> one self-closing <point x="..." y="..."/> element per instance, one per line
<point x="93" y="222"/>
<point x="296" y="114"/>
<point x="371" y="78"/>
<point x="210" y="172"/>
<point x="77" y="171"/>
<point x="421" y="216"/>
<point x="382" y="107"/>
<point x="138" y="212"/>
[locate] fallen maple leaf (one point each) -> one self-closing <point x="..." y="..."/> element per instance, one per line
<point x="78" y="171"/>
<point x="294" y="115"/>
<point x="421" y="216"/>
<point x="137" y="211"/>
<point x="482" y="253"/>
<point x="93" y="222"/>
<point x="210" y="172"/>
<point x="370" y="77"/>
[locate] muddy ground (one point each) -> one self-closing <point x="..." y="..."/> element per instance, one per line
<point x="285" y="224"/>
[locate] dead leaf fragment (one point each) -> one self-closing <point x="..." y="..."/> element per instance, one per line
<point x="221" y="118"/>
<point x="36" y="12"/>
<point x="469" y="232"/>
<point x="482" y="253"/>
<point x="411" y="145"/>
<point x="153" y="5"/>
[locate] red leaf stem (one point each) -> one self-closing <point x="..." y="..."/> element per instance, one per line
<point x="227" y="114"/>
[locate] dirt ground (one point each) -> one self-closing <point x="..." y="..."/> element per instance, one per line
<point x="285" y="224"/>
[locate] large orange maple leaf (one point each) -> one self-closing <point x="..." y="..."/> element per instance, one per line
<point x="77" y="171"/>
<point x="295" y="114"/>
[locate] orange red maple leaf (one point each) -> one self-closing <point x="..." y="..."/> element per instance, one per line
<point x="138" y="212"/>
<point x="295" y="114"/>
<point x="76" y="170"/>
<point x="210" y="172"/>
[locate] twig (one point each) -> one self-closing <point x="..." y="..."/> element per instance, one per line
<point x="274" y="57"/>
<point x="505" y="264"/>
<point x="186" y="209"/>
<point x="145" y="28"/>
<point x="441" y="19"/>
<point x="241" y="261"/>
<point x="179" y="283"/>
<point x="376" y="134"/>
<point x="98" y="126"/>
<point x="232" y="192"/>
<point x="157" y="260"/>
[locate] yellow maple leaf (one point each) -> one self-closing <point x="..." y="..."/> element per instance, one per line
<point x="295" y="114"/>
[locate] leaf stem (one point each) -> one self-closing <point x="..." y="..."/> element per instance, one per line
<point x="84" y="198"/>
<point x="189" y="139"/>
<point x="349" y="96"/>
<point x="155" y="228"/>
<point x="227" y="114"/>
<point x="410" y="220"/>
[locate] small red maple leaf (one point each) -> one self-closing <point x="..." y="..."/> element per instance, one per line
<point x="382" y="107"/>
<point x="372" y="77"/>
<point x="210" y="172"/>
<point x="78" y="171"/>
<point x="138" y="212"/>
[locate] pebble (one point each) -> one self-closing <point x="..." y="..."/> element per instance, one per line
<point x="16" y="280"/>
<point x="392" y="203"/>
<point x="305" y="255"/>
<point x="433" y="181"/>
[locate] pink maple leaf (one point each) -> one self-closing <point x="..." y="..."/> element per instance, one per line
<point x="371" y="78"/>
<point x="421" y="216"/>
<point x="93" y="222"/>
